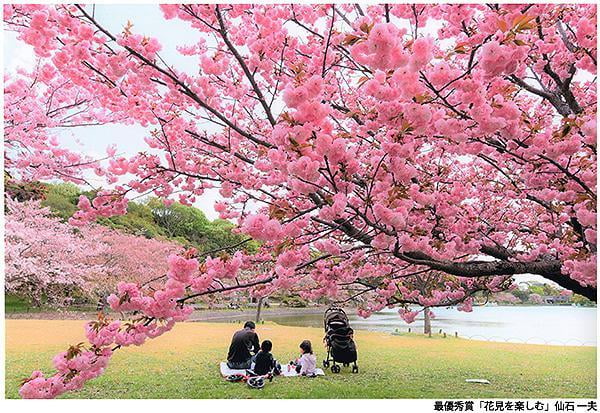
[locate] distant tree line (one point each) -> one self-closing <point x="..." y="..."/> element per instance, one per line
<point x="537" y="293"/>
<point x="149" y="217"/>
<point x="52" y="263"/>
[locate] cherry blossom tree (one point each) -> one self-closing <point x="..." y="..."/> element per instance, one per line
<point x="49" y="261"/>
<point x="44" y="257"/>
<point x="506" y="298"/>
<point x="536" y="299"/>
<point x="360" y="145"/>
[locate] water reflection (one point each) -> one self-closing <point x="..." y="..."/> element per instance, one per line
<point x="536" y="325"/>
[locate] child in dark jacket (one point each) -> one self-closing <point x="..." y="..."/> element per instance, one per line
<point x="265" y="363"/>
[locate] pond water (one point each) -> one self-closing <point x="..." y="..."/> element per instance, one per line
<point x="556" y="325"/>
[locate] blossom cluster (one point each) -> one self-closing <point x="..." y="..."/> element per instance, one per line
<point x="160" y="312"/>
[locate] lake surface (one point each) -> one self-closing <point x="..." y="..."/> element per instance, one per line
<point x="556" y="325"/>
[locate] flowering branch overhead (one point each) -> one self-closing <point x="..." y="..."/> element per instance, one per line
<point x="373" y="142"/>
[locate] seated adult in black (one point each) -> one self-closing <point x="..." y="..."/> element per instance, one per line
<point x="264" y="362"/>
<point x="242" y="343"/>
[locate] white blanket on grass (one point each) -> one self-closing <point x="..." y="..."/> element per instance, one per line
<point x="291" y="372"/>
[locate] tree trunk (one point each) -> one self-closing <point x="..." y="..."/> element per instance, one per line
<point x="258" y="308"/>
<point x="427" y="322"/>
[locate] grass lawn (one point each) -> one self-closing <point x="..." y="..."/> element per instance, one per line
<point x="14" y="304"/>
<point x="184" y="364"/>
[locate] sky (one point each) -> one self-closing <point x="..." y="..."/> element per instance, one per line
<point x="93" y="140"/>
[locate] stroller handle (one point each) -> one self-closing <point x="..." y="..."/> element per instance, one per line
<point x="330" y="309"/>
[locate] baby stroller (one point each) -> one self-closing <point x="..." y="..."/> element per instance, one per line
<point x="339" y="340"/>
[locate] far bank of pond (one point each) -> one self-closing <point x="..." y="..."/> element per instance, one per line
<point x="555" y="325"/>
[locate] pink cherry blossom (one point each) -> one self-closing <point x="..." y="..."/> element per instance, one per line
<point x="420" y="158"/>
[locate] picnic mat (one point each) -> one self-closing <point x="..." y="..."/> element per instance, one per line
<point x="226" y="371"/>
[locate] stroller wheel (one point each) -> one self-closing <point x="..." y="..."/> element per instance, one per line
<point x="355" y="369"/>
<point x="346" y="364"/>
<point x="335" y="369"/>
<point x="326" y="363"/>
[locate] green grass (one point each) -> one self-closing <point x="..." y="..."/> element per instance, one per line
<point x="14" y="304"/>
<point x="184" y="364"/>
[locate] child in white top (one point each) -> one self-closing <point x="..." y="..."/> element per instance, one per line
<point x="307" y="363"/>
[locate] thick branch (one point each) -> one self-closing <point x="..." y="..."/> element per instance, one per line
<point x="547" y="268"/>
